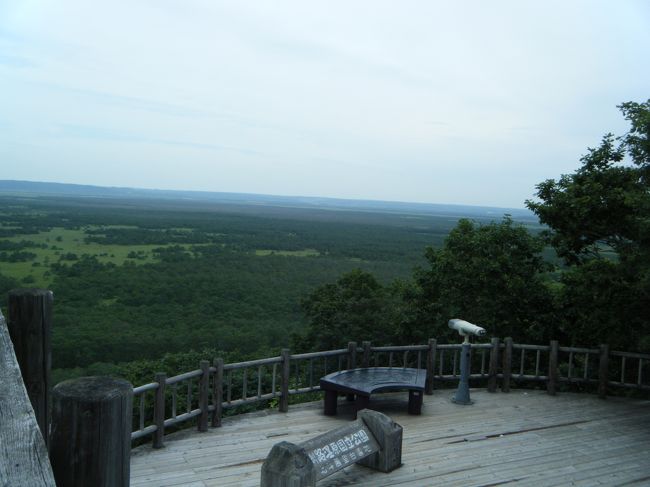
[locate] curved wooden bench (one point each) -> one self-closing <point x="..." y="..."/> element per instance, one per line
<point x="361" y="383"/>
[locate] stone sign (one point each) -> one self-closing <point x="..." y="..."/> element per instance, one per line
<point x="339" y="448"/>
<point x="374" y="440"/>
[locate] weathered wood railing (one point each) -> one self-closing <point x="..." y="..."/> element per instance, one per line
<point x="23" y="454"/>
<point x="211" y="389"/>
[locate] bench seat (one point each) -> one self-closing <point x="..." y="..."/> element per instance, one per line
<point x="359" y="384"/>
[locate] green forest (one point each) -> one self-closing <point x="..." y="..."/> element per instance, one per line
<point x="147" y="285"/>
<point x="141" y="279"/>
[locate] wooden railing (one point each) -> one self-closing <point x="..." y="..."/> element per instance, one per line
<point x="23" y="454"/>
<point x="211" y="389"/>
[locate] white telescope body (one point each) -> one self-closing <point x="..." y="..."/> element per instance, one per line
<point x="465" y="328"/>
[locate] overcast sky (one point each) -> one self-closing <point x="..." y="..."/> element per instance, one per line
<point x="423" y="101"/>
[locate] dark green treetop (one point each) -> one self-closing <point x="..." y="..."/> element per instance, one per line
<point x="599" y="220"/>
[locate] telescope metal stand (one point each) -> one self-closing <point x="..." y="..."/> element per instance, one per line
<point x="462" y="394"/>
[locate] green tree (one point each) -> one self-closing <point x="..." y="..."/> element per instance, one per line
<point x="355" y="308"/>
<point x="595" y="210"/>
<point x="599" y="222"/>
<point x="491" y="275"/>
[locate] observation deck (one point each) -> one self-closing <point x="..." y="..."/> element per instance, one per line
<point x="511" y="434"/>
<point x="525" y="437"/>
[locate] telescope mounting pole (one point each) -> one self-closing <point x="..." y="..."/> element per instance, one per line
<point x="462" y="394"/>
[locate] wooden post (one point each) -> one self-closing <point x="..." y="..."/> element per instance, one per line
<point x="217" y="393"/>
<point x="91" y="432"/>
<point x="30" y="329"/>
<point x="202" y="424"/>
<point x="366" y="353"/>
<point x="603" y="371"/>
<point x="431" y="364"/>
<point x="551" y="386"/>
<point x="507" y="364"/>
<point x="493" y="371"/>
<point x="159" y="411"/>
<point x="284" y="384"/>
<point x="352" y="355"/>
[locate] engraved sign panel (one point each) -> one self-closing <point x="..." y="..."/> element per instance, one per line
<point x="339" y="448"/>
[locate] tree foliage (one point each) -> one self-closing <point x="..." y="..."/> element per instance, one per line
<point x="599" y="220"/>
<point x="488" y="274"/>
<point x="596" y="209"/>
<point x="356" y="307"/>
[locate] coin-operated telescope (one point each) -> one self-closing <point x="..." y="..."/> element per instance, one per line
<point x="464" y="329"/>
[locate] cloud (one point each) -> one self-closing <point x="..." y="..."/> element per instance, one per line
<point x="363" y="99"/>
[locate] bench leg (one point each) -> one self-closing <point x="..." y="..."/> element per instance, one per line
<point x="415" y="402"/>
<point x="330" y="403"/>
<point x="360" y="403"/>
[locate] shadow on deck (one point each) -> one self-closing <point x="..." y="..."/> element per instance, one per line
<point x="524" y="437"/>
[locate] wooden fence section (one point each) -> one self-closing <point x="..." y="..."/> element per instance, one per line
<point x="206" y="392"/>
<point x="23" y="455"/>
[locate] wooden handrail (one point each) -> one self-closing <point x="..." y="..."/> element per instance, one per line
<point x="23" y="455"/>
<point x="279" y="377"/>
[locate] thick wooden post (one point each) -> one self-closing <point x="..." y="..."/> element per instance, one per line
<point x="202" y="424"/>
<point x="431" y="365"/>
<point x="366" y="353"/>
<point x="352" y="355"/>
<point x="493" y="371"/>
<point x="159" y="411"/>
<point x="603" y="371"/>
<point x="30" y="328"/>
<point x="91" y="432"/>
<point x="551" y="385"/>
<point x="217" y="392"/>
<point x="507" y="364"/>
<point x="284" y="384"/>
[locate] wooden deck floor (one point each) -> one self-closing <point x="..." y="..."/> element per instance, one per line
<point x="524" y="437"/>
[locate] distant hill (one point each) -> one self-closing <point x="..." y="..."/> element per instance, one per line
<point x="34" y="188"/>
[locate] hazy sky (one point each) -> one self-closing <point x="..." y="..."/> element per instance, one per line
<point x="446" y="102"/>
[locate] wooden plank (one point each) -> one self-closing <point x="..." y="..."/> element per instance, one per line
<point x="552" y="377"/>
<point x="431" y="361"/>
<point x="494" y="365"/>
<point x="603" y="371"/>
<point x="30" y="328"/>
<point x="507" y="364"/>
<point x="159" y="411"/>
<point x="23" y="455"/>
<point x="283" y="405"/>
<point x="202" y="423"/>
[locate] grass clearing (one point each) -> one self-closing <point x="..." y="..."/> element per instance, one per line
<point x="61" y="242"/>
